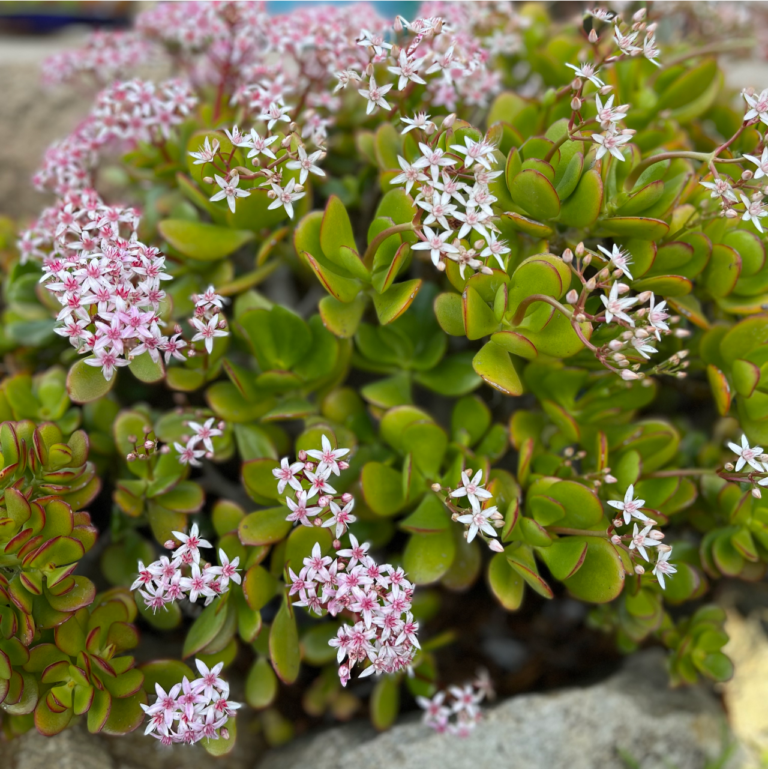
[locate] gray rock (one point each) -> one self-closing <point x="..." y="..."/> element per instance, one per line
<point x="634" y="712"/>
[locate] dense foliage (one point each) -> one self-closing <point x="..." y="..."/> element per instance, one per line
<point x="483" y="290"/>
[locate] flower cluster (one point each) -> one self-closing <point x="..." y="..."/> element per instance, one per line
<point x="429" y="51"/>
<point x="124" y="113"/>
<point x="200" y="444"/>
<point x="636" y="542"/>
<point x="481" y="517"/>
<point x="462" y="703"/>
<point x="452" y="192"/>
<point x="167" y="580"/>
<point x="643" y="325"/>
<point x="272" y="169"/>
<point x="751" y="466"/>
<point x="192" y="710"/>
<point x="308" y="479"/>
<point x="108" y="284"/>
<point x="378" y="595"/>
<point x="103" y="58"/>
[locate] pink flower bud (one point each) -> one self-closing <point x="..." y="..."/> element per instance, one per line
<point x="169" y="544"/>
<point x="618" y="522"/>
<point x="756" y="493"/>
<point x="657" y="535"/>
<point x="616" y="539"/>
<point x="343" y="465"/>
<point x="346" y="497"/>
<point x="208" y="179"/>
<point x="610" y="479"/>
<point x="572" y="296"/>
<point x="302" y="456"/>
<point x="606" y="89"/>
<point x="149" y="445"/>
<point x="496" y="546"/>
<point x="567" y="256"/>
<point x="336" y="544"/>
<point x="130" y="457"/>
<point x="224" y="733"/>
<point x="576" y="103"/>
<point x="639" y="569"/>
<point x="587" y="260"/>
<point x="449" y="120"/>
<point x="131" y="439"/>
<point x="323" y="501"/>
<point x="436" y="487"/>
<point x="592" y="36"/>
<point x="580" y="249"/>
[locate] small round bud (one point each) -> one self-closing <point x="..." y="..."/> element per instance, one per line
<point x="317" y="522"/>
<point x="496" y="546"/>
<point x="587" y="260"/>
<point x="616" y="345"/>
<point x="572" y="296"/>
<point x="436" y="487"/>
<point x="593" y="36"/>
<point x="165" y="449"/>
<point x="756" y="493"/>
<point x="449" y="120"/>
<point x="606" y="89"/>
<point x="567" y="256"/>
<point x="657" y="535"/>
<point x="441" y="266"/>
<point x="346" y="497"/>
<point x="149" y="445"/>
<point x="644" y="296"/>
<point x="728" y="466"/>
<point x="323" y="501"/>
<point x="208" y="179"/>
<point x="618" y="522"/>
<point x="629" y="375"/>
<point x="224" y="733"/>
<point x="131" y="439"/>
<point x="486" y="270"/>
<point x="610" y="479"/>
<point x="639" y="15"/>
<point x="343" y="465"/>
<point x="665" y="548"/>
<point x="169" y="544"/>
<point x="576" y="84"/>
<point x="591" y="284"/>
<point x="616" y="539"/>
<point x="604" y="273"/>
<point x="623" y="288"/>
<point x="580" y="249"/>
<point x="576" y="103"/>
<point x="731" y="214"/>
<point x="336" y="544"/>
<point x="302" y="456"/>
<point x="130" y="457"/>
<point x="639" y="570"/>
<point x="580" y="317"/>
<point x="746" y="175"/>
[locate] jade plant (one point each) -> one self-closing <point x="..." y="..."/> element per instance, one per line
<point x="377" y="310"/>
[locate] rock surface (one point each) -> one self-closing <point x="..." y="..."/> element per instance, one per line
<point x="746" y="693"/>
<point x="633" y="713"/>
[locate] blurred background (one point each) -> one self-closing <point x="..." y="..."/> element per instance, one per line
<point x="32" y="116"/>
<point x="45" y="16"/>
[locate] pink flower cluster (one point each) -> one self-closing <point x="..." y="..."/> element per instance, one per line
<point x="192" y="710"/>
<point x="185" y="576"/>
<point x="108" y="284"/>
<point x="125" y="113"/>
<point x="307" y="480"/>
<point x="462" y="703"/>
<point x="451" y="63"/>
<point x="104" y="57"/>
<point x="379" y="596"/>
<point x="200" y="444"/>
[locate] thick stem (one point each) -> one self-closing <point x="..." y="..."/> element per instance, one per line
<point x="676" y="473"/>
<point x="517" y="319"/>
<point x="381" y="237"/>
<point x="578" y="532"/>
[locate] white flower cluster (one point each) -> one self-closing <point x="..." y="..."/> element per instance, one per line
<point x="170" y="579"/>
<point x="749" y="203"/>
<point x="460" y="702"/>
<point x="626" y="353"/>
<point x="753" y="458"/>
<point x="384" y="633"/>
<point x="307" y="480"/>
<point x="192" y="710"/>
<point x="283" y="194"/>
<point x="452" y="191"/>
<point x="481" y="517"/>
<point x="640" y="539"/>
